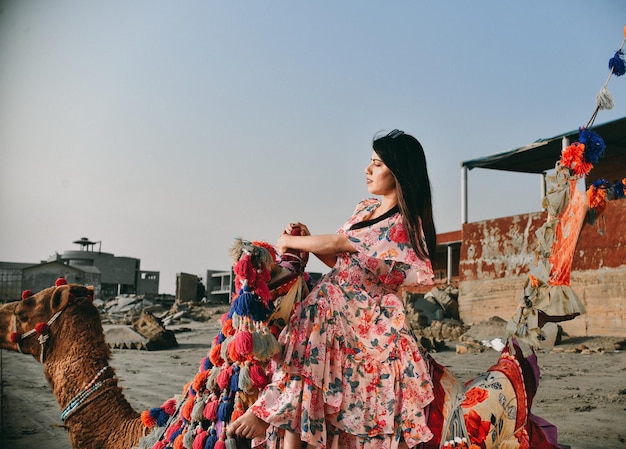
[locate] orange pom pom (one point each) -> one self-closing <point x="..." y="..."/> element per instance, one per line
<point x="215" y="356"/>
<point x="178" y="442"/>
<point x="187" y="408"/>
<point x="147" y="419"/>
<point x="199" y="382"/>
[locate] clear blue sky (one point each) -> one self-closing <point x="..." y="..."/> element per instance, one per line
<point x="165" y="129"/>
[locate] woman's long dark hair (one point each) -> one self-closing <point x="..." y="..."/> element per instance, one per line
<point x="404" y="156"/>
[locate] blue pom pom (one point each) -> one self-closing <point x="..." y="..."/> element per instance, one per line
<point x="206" y="364"/>
<point x="175" y="434"/>
<point x="243" y="302"/>
<point x="161" y="420"/>
<point x="154" y="412"/>
<point x="594" y="145"/>
<point x="211" y="439"/>
<point x="225" y="410"/>
<point x="600" y="183"/>
<point x="234" y="379"/>
<point x="617" y="63"/>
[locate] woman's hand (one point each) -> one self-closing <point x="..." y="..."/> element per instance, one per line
<point x="291" y="226"/>
<point x="286" y="240"/>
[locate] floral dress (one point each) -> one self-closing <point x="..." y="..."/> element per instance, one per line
<point x="352" y="374"/>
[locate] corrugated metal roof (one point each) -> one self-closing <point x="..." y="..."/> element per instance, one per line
<point x="543" y="154"/>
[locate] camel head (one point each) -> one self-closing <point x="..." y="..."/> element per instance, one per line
<point x="26" y="325"/>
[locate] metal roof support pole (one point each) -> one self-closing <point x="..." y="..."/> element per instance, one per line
<point x="449" y="267"/>
<point x="463" y="194"/>
<point x="542" y="179"/>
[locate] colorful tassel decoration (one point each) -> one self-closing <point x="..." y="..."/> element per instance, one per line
<point x="169" y="406"/>
<point x="594" y="145"/>
<point x="223" y="378"/>
<point x="41" y="328"/>
<point x="215" y="355"/>
<point x="27" y="294"/>
<point x="210" y="409"/>
<point x="234" y="380"/>
<point x="258" y="377"/>
<point x="245" y="383"/>
<point x="221" y="444"/>
<point x="243" y="342"/>
<point x="211" y="439"/>
<point x="200" y="439"/>
<point x="604" y="100"/>
<point x="197" y="413"/>
<point x="225" y="409"/>
<point x="187" y="440"/>
<point x="178" y="442"/>
<point x="617" y="63"/>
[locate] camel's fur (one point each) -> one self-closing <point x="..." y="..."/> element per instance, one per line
<point x="74" y="352"/>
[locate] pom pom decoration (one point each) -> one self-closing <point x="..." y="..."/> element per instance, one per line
<point x="230" y="375"/>
<point x="41" y="328"/>
<point x="169" y="406"/>
<point x="27" y="294"/>
<point x="604" y="100"/>
<point x="60" y="281"/>
<point x="199" y="440"/>
<point x="617" y="63"/>
<point x="593" y="144"/>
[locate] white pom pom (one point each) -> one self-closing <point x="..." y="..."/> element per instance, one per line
<point x="604" y="100"/>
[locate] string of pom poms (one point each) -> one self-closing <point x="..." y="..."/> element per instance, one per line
<point x="617" y="67"/>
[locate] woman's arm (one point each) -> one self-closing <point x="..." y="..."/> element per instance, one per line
<point x="324" y="246"/>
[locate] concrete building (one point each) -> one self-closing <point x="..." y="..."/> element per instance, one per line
<point x="109" y="274"/>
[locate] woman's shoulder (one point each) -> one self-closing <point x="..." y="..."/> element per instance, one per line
<point x="367" y="204"/>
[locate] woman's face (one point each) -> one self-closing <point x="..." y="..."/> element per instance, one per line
<point x="379" y="179"/>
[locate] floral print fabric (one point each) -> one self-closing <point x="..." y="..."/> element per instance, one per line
<point x="352" y="374"/>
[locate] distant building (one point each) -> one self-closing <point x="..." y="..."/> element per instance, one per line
<point x="109" y="274"/>
<point x="219" y="286"/>
<point x="11" y="274"/>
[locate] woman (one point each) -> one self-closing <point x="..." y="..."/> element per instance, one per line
<point x="352" y="374"/>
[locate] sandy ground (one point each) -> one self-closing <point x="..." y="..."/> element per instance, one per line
<point x="583" y="394"/>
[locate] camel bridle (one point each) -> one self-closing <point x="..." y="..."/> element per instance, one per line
<point x="41" y="330"/>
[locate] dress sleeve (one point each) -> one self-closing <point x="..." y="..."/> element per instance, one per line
<point x="388" y="241"/>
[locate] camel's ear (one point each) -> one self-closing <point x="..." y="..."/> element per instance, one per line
<point x="61" y="297"/>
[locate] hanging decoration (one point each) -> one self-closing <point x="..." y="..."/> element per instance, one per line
<point x="546" y="294"/>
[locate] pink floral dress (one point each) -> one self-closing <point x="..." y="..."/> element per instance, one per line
<point x="352" y="374"/>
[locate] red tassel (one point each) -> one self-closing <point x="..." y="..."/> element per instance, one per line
<point x="41" y="328"/>
<point x="258" y="377"/>
<point x="169" y="406"/>
<point x="27" y="294"/>
<point x="60" y="281"/>
<point x="172" y="430"/>
<point x="221" y="444"/>
<point x="199" y="440"/>
<point x="15" y="337"/>
<point x="159" y="445"/>
<point x="243" y="342"/>
<point x="223" y="378"/>
<point x="210" y="409"/>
